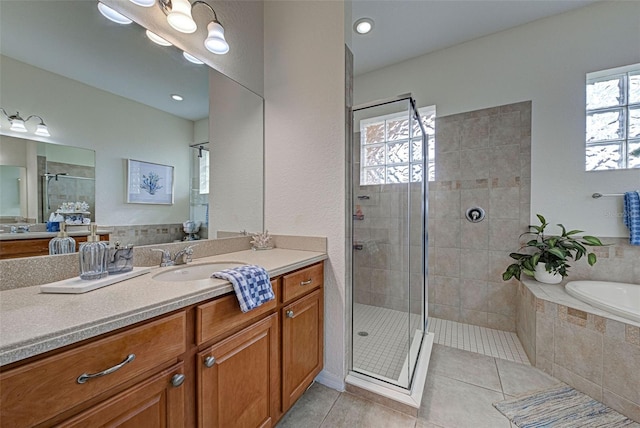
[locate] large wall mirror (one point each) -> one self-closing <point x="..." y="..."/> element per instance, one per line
<point x="107" y="89"/>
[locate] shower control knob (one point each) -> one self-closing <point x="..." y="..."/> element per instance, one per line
<point x="475" y="214"/>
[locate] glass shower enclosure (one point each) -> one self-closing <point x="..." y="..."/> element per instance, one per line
<point x="389" y="240"/>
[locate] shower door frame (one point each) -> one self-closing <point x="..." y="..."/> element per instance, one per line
<point x="413" y="114"/>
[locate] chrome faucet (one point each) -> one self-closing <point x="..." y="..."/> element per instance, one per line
<point x="166" y="257"/>
<point x="183" y="256"/>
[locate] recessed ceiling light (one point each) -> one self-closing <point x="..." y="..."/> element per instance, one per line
<point x="191" y="58"/>
<point x="363" y="25"/>
<point x="176" y="97"/>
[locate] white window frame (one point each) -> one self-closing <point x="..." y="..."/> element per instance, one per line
<point x="625" y="107"/>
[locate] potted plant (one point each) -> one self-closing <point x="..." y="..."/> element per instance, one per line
<point x="547" y="260"/>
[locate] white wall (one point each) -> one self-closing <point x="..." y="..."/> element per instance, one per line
<point x="546" y="62"/>
<point x="305" y="154"/>
<point x="115" y="127"/>
<point x="236" y="158"/>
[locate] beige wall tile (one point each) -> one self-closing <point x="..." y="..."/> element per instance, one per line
<point x="619" y="404"/>
<point x="474" y="264"/>
<point x="473" y="295"/>
<point x="579" y="350"/>
<point x="622" y="369"/>
<point x="593" y="390"/>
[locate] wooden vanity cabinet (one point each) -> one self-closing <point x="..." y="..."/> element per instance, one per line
<point x="302" y="331"/>
<point x="207" y="365"/>
<point x="57" y="386"/>
<point x="157" y="402"/>
<point x="238" y="378"/>
<point x="14" y="248"/>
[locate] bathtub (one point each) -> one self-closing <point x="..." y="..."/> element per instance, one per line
<point x="614" y="297"/>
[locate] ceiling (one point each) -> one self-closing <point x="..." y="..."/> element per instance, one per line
<point x="406" y="29"/>
<point x="73" y="39"/>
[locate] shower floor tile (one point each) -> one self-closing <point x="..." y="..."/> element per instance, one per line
<point x="487" y="341"/>
<point x="381" y="340"/>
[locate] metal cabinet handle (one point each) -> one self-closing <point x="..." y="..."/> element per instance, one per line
<point x="306" y="282"/>
<point x="289" y="314"/>
<point x="177" y="379"/>
<point x="84" y="377"/>
<point x="209" y="361"/>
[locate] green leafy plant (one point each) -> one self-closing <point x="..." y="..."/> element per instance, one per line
<point x="553" y="251"/>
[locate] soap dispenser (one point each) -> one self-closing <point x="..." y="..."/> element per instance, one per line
<point x="93" y="256"/>
<point x="62" y="243"/>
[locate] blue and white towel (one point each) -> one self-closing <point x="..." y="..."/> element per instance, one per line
<point x="632" y="216"/>
<point x="251" y="284"/>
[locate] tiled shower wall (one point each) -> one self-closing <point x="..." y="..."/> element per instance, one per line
<point x="483" y="159"/>
<point x="390" y="243"/>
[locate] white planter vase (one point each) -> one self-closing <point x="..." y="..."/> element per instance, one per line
<point x="541" y="275"/>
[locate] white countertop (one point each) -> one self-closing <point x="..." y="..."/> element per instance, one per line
<point x="8" y="236"/>
<point x="32" y="322"/>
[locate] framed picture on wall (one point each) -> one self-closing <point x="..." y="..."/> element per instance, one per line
<point x="149" y="183"/>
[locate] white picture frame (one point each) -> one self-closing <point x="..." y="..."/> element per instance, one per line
<point x="149" y="183"/>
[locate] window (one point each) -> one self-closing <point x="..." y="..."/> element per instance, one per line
<point x="613" y="119"/>
<point x="391" y="152"/>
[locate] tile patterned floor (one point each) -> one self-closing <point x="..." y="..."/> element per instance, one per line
<point x="461" y="388"/>
<point x="383" y="351"/>
<point x="486" y="341"/>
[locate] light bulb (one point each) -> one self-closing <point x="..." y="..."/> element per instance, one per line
<point x="215" y="41"/>
<point x="157" y="39"/>
<point x="180" y="17"/>
<point x="112" y="15"/>
<point x="363" y="25"/>
<point x="192" y="58"/>
<point x="42" y="130"/>
<point x="17" y="125"/>
<point x="144" y="3"/>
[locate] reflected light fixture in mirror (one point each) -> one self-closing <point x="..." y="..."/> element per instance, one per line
<point x="18" y="124"/>
<point x="144" y="3"/>
<point x="157" y="39"/>
<point x="112" y="15"/>
<point x="191" y="58"/>
<point x="180" y="19"/>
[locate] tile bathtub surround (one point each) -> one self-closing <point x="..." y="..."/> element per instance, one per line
<point x="482" y="159"/>
<point x="582" y="346"/>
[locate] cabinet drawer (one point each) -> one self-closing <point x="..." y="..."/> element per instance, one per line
<point x="301" y="282"/>
<point x="224" y="314"/>
<point x="38" y="391"/>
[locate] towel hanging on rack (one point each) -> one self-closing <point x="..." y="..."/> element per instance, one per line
<point x="632" y="216"/>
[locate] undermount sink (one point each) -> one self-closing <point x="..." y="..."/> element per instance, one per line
<point x="194" y="272"/>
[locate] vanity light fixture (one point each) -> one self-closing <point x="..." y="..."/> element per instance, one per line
<point x="144" y="3"/>
<point x="18" y="124"/>
<point x="363" y="26"/>
<point x="112" y="15"/>
<point x="157" y="39"/>
<point x="180" y="18"/>
<point x="191" y="58"/>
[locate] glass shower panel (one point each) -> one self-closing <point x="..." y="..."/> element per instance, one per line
<point x="387" y="228"/>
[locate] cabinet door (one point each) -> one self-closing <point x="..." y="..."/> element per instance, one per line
<point x="238" y="378"/>
<point x="157" y="402"/>
<point x="302" y="344"/>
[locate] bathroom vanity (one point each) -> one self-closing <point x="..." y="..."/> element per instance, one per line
<point x="14" y="245"/>
<point x="145" y="352"/>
